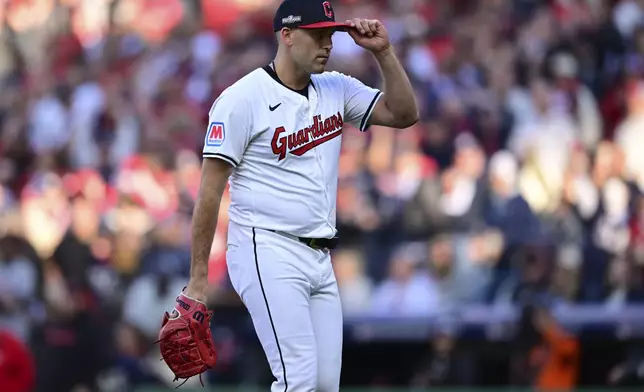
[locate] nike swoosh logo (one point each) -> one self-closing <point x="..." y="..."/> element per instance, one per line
<point x="272" y="108"/>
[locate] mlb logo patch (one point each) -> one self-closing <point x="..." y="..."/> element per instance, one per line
<point x="216" y="134"/>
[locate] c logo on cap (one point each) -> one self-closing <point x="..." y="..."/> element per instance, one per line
<point x="328" y="11"/>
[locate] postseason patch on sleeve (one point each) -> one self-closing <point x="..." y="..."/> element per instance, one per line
<point x="216" y="134"/>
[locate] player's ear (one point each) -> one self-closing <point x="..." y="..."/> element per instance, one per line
<point x="286" y="35"/>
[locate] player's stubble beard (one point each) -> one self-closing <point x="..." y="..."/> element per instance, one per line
<point x="311" y="63"/>
<point x="318" y="64"/>
<point x="318" y="68"/>
<point x="312" y="66"/>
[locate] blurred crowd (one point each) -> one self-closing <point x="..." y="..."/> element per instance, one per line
<point x="525" y="173"/>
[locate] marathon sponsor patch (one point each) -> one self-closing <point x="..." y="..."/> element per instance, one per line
<point x="216" y="134"/>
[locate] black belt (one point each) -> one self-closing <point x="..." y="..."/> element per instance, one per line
<point x="320" y="243"/>
<point x="315" y="243"/>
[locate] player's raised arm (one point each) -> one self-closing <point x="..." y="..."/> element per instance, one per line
<point x="397" y="108"/>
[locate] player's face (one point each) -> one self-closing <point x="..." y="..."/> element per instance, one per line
<point x="311" y="48"/>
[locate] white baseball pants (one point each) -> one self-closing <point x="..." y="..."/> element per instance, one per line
<point x="292" y="296"/>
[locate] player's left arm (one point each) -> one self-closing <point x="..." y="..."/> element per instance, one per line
<point x="397" y="107"/>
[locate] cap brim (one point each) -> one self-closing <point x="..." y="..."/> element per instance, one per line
<point x="326" y="25"/>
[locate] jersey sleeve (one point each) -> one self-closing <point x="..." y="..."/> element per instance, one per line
<point x="229" y="129"/>
<point x="359" y="101"/>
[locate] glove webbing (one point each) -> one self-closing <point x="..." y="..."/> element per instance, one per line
<point x="176" y="378"/>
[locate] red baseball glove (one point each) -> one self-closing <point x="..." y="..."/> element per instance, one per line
<point x="186" y="340"/>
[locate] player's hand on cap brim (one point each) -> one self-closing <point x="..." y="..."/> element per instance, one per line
<point x="368" y="27"/>
<point x="370" y="34"/>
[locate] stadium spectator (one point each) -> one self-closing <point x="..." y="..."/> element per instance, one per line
<point x="17" y="370"/>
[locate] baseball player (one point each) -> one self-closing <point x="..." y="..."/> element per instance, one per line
<point x="275" y="136"/>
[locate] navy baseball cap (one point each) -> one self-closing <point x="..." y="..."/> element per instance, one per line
<point x="306" y="14"/>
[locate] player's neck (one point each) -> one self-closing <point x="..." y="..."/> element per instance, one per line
<point x="289" y="74"/>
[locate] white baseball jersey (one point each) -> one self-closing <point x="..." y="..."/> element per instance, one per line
<point x="285" y="148"/>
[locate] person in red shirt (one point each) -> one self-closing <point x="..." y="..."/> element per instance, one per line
<point x="17" y="369"/>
